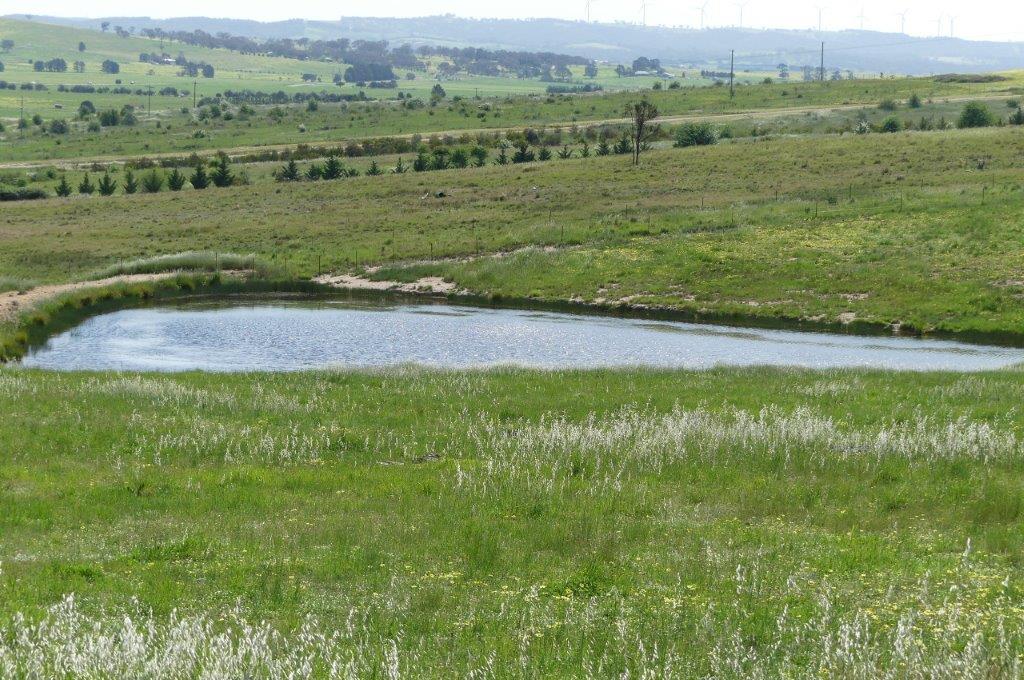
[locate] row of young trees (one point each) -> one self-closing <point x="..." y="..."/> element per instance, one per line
<point x="152" y="182"/>
<point x="448" y="159"/>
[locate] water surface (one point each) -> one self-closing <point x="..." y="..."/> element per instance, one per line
<point x="289" y="336"/>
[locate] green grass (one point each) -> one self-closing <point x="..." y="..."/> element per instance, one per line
<point x="8" y="283"/>
<point x="725" y="523"/>
<point x="890" y="228"/>
<point x="550" y="522"/>
<point x="508" y="104"/>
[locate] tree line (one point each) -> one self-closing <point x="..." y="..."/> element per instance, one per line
<point x="152" y="182"/>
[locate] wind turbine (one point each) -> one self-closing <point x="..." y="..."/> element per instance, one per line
<point x="643" y="11"/>
<point x="903" y="20"/>
<point x="861" y="17"/>
<point x="821" y="11"/>
<point x="952" y="21"/>
<point x="589" y="3"/>
<point x="702" y="9"/>
<point x="938" y="27"/>
<point x="741" y="6"/>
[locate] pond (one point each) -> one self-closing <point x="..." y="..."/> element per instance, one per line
<point x="290" y="336"/>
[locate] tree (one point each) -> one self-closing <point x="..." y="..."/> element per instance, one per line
<point x="86" y="109"/>
<point x="153" y="182"/>
<point x="696" y="134"/>
<point x="107" y="185"/>
<point x="105" y="26"/>
<point x="110" y="66"/>
<point x="974" y="115"/>
<point x="544" y="154"/>
<point x="110" y="118"/>
<point x="437" y="92"/>
<point x="502" y="158"/>
<point x="603" y="149"/>
<point x="289" y="173"/>
<point x="915" y="101"/>
<point x="440" y="160"/>
<point x="86" y="186"/>
<point x="641" y="113"/>
<point x="222" y="175"/>
<point x="400" y="167"/>
<point x="130" y="184"/>
<point x="6" y="45"/>
<point x="314" y="172"/>
<point x="58" y="126"/>
<point x="199" y="179"/>
<point x="565" y="153"/>
<point x="479" y="155"/>
<point x="590" y="70"/>
<point x="624" y="145"/>
<point x="176" y="180"/>
<point x="207" y="71"/>
<point x="81" y="47"/>
<point x="374" y="169"/>
<point x="523" y="154"/>
<point x="422" y="162"/>
<point x="333" y="169"/>
<point x="459" y="158"/>
<point x="63" y="188"/>
<point x="585" y="150"/>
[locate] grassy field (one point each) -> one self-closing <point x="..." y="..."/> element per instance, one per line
<point x="512" y="523"/>
<point x="910" y="228"/>
<point x="170" y="124"/>
<point x="729" y="523"/>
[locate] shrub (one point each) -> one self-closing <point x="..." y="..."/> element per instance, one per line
<point x="58" y="126"/>
<point x="110" y="118"/>
<point x="891" y="124"/>
<point x="696" y="134"/>
<point x="974" y="115"/>
<point x="22" y="194"/>
<point x="914" y="102"/>
<point x="887" y="105"/>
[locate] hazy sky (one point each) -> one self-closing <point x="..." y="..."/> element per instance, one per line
<point x="981" y="19"/>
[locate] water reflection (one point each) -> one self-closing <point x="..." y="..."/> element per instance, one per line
<point x="288" y="336"/>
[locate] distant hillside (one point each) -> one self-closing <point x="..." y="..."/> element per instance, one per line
<point x="858" y="50"/>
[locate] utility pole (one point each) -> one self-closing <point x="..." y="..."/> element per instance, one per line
<point x="732" y="73"/>
<point x="822" y="71"/>
<point x="150" y="93"/>
<point x="195" y="85"/>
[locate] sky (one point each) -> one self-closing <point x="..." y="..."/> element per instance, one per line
<point x="981" y="19"/>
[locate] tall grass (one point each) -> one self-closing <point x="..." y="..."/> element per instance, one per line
<point x="9" y="283"/>
<point x="190" y="261"/>
<point x="412" y="523"/>
<point x="962" y="625"/>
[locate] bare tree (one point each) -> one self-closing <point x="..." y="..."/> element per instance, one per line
<point x="641" y="113"/>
